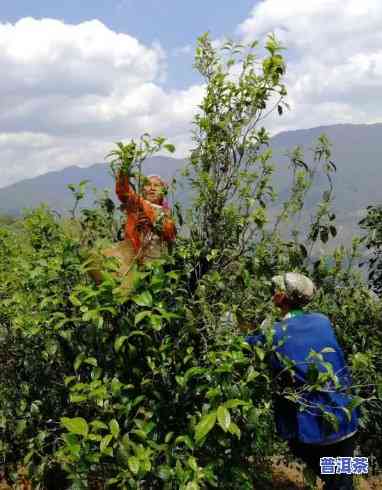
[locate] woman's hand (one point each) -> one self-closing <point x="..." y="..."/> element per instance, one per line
<point x="143" y="222"/>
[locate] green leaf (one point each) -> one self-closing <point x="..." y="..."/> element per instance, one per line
<point x="95" y="437"/>
<point x="140" y="316"/>
<point x="234" y="403"/>
<point x="324" y="235"/>
<point x="164" y="472"/>
<point x="105" y="443"/>
<point x="114" y="428"/>
<point x="75" y="449"/>
<point x="360" y="361"/>
<point x="234" y="429"/>
<point x="168" y="437"/>
<point x="77" y="398"/>
<point x="312" y="373"/>
<point x="21" y="426"/>
<point x="205" y="425"/>
<point x="139" y="333"/>
<point x="70" y="439"/>
<point x="252" y="376"/>
<point x="74" y="300"/>
<point x="187" y="441"/>
<point x="326" y="195"/>
<point x="192" y="485"/>
<point x="133" y="464"/>
<point x="148" y="427"/>
<point x="260" y="353"/>
<point x="28" y="457"/>
<point x="303" y="250"/>
<point x="194" y="371"/>
<point x="347" y="413"/>
<point x="77" y="425"/>
<point x="331" y="419"/>
<point x="169" y="147"/>
<point x="112" y="481"/>
<point x="140" y="433"/>
<point x="143" y="299"/>
<point x="116" y="386"/>
<point x="355" y="402"/>
<point x="78" y="361"/>
<point x="69" y="379"/>
<point x="224" y="417"/>
<point x="156" y="322"/>
<point x="97" y="424"/>
<point x="91" y="360"/>
<point x="192" y="463"/>
<point x="119" y="341"/>
<point x="333" y="230"/>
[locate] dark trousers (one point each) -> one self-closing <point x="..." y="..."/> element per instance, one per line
<point x="311" y="454"/>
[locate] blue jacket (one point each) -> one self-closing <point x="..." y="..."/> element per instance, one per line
<point x="300" y="335"/>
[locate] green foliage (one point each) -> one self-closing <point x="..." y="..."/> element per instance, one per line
<point x="156" y="388"/>
<point x="6" y="219"/>
<point x="127" y="158"/>
<point x="109" y="384"/>
<point x="230" y="166"/>
<point x="78" y="192"/>
<point x="372" y="224"/>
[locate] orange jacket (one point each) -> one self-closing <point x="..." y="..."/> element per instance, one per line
<point x="137" y="208"/>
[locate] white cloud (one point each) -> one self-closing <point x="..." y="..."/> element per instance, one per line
<point x="46" y="57"/>
<point x="67" y="92"/>
<point x="334" y="58"/>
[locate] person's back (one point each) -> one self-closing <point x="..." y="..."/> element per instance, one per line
<point x="299" y="335"/>
<point x="314" y="418"/>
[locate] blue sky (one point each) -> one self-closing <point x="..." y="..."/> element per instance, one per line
<point x="172" y="23"/>
<point x="77" y="75"/>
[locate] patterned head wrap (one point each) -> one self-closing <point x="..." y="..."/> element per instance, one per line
<point x="154" y="176"/>
<point x="298" y="288"/>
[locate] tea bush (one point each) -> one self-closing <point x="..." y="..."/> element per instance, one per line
<point x="156" y="389"/>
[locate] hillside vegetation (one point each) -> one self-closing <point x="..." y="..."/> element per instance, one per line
<point x="355" y="149"/>
<point x="156" y="388"/>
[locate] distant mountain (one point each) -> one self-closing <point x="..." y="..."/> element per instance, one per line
<point x="357" y="152"/>
<point x="51" y="188"/>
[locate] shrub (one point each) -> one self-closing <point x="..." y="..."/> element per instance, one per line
<point x="156" y="389"/>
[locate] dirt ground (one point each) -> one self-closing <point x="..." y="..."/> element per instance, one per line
<point x="291" y="478"/>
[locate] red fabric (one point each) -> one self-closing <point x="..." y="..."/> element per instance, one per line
<point x="141" y="215"/>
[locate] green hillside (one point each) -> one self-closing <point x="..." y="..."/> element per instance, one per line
<point x="356" y="152"/>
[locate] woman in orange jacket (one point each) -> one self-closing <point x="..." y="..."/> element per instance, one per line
<point x="149" y="226"/>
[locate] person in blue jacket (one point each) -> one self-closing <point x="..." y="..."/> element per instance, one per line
<point x="301" y="422"/>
